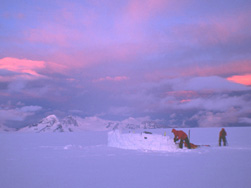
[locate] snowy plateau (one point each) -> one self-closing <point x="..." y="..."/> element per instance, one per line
<point x="128" y="158"/>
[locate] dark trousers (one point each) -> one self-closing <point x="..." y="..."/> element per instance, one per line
<point x="187" y="142"/>
<point x="223" y="138"/>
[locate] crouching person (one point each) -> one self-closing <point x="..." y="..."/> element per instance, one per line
<point x="182" y="136"/>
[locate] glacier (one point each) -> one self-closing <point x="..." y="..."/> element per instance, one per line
<point x="86" y="159"/>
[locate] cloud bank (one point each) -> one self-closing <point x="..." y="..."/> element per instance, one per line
<point x="186" y="63"/>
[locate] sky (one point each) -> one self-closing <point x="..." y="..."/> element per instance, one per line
<point x="185" y="63"/>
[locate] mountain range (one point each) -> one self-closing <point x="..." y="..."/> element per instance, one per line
<point x="51" y="123"/>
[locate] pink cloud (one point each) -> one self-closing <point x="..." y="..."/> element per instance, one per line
<point x="241" y="79"/>
<point x="4" y="94"/>
<point x="138" y="10"/>
<point x="108" y="53"/>
<point x="211" y="30"/>
<point x="55" y="67"/>
<point x="53" y="34"/>
<point x="66" y="26"/>
<point x="185" y="100"/>
<point x="132" y="24"/>
<point x="235" y="67"/>
<point x="141" y="10"/>
<point x="109" y="78"/>
<point x="29" y="67"/>
<point x="227" y="68"/>
<point x="23" y="66"/>
<point x="184" y="96"/>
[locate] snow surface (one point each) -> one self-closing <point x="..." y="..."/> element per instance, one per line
<point x="84" y="159"/>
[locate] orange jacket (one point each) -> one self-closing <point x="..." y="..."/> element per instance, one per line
<point x="179" y="134"/>
<point x="223" y="133"/>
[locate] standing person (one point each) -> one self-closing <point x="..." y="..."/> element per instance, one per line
<point x="222" y="136"/>
<point x="182" y="136"/>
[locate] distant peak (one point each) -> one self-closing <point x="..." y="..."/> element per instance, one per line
<point x="51" y="117"/>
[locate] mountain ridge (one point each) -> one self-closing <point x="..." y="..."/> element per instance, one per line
<point x="74" y="123"/>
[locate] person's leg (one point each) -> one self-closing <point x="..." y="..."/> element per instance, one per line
<point x="219" y="141"/>
<point x="224" y="141"/>
<point x="188" y="143"/>
<point x="181" y="143"/>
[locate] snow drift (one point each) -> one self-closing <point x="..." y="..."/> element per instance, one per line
<point x="141" y="141"/>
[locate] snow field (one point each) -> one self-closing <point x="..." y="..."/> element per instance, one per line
<point x="84" y="160"/>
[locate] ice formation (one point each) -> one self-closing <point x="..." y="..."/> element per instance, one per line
<point x="141" y="141"/>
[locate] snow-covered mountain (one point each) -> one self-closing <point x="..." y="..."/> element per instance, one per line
<point x="68" y="124"/>
<point x="48" y="124"/>
<point x="71" y="124"/>
<point x="69" y="121"/>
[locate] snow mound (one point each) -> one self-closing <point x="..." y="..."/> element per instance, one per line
<point x="141" y="141"/>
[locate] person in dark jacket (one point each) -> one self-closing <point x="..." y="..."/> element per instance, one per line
<point x="182" y="136"/>
<point x="222" y="137"/>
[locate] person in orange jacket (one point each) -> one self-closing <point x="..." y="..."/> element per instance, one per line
<point x="222" y="136"/>
<point x="182" y="136"/>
